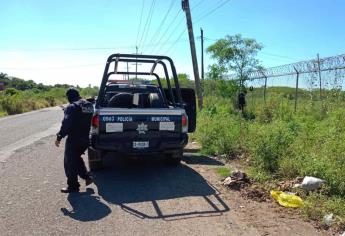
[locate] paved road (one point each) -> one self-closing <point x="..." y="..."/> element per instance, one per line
<point x="21" y="130"/>
<point x="147" y="198"/>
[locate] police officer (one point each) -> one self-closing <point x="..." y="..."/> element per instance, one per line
<point x="76" y="126"/>
<point x="242" y="100"/>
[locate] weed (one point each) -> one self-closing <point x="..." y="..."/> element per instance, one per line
<point x="283" y="144"/>
<point x="223" y="171"/>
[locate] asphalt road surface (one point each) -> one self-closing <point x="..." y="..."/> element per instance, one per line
<point x="127" y="198"/>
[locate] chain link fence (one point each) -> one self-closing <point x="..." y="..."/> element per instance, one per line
<point x="316" y="84"/>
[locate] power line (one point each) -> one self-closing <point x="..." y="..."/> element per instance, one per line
<point x="174" y="31"/>
<point x="211" y="11"/>
<point x="141" y="17"/>
<point x="263" y="53"/>
<point x="178" y="24"/>
<point x="148" y="28"/>
<point x="157" y="33"/>
<point x="84" y="49"/>
<point x="197" y="5"/>
<point x="148" y="22"/>
<point x="278" y="56"/>
<point x="175" y="42"/>
<point x="219" y="4"/>
<point x="169" y="26"/>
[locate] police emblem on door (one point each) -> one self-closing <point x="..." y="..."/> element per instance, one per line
<point x="142" y="128"/>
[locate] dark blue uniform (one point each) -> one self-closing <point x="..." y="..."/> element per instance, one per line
<point x="76" y="126"/>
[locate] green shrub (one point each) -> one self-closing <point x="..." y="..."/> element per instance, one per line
<point x="218" y="133"/>
<point x="11" y="91"/>
<point x="271" y="144"/>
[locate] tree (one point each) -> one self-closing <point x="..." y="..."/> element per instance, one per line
<point x="235" y="54"/>
<point x="4" y="79"/>
<point x="3" y="75"/>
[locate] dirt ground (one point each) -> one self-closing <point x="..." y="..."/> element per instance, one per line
<point x="250" y="205"/>
<point x="142" y="198"/>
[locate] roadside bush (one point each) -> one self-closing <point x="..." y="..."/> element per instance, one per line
<point x="271" y="144"/>
<point x="218" y="136"/>
<point x="282" y="144"/>
<point x="10" y="91"/>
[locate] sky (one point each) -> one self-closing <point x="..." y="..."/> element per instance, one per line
<point x="69" y="41"/>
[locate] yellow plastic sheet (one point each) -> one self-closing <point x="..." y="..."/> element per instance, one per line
<point x="287" y="199"/>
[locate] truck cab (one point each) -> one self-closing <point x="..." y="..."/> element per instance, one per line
<point x="140" y="117"/>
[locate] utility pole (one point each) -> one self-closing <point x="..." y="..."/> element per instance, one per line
<point x="202" y="54"/>
<point x="186" y="9"/>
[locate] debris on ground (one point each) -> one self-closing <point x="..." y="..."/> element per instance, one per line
<point x="328" y="219"/>
<point x="192" y="147"/>
<point x="223" y="156"/>
<point x="287" y="185"/>
<point x="310" y="183"/>
<point x="236" y="181"/>
<point x="287" y="199"/>
<point x="255" y="193"/>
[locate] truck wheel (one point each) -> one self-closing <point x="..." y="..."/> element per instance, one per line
<point x="95" y="159"/>
<point x="175" y="158"/>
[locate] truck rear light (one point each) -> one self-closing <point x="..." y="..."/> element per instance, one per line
<point x="184" y="123"/>
<point x="95" y="121"/>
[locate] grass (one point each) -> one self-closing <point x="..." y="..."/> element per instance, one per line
<point x="224" y="172"/>
<point x="281" y="144"/>
<point x="316" y="206"/>
<point x="13" y="101"/>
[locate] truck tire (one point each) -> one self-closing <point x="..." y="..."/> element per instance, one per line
<point x="95" y="159"/>
<point x="174" y="159"/>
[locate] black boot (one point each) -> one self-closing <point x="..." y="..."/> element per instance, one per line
<point x="70" y="190"/>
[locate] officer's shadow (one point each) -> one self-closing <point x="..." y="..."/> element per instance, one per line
<point x="86" y="207"/>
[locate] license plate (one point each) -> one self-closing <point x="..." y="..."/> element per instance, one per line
<point x="141" y="145"/>
<point x="113" y="127"/>
<point x="169" y="126"/>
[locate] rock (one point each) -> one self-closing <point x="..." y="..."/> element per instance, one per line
<point x="328" y="219"/>
<point x="227" y="181"/>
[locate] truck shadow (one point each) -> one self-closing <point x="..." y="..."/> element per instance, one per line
<point x="198" y="159"/>
<point x="125" y="184"/>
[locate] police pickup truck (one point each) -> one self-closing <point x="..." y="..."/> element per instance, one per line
<point x="140" y="118"/>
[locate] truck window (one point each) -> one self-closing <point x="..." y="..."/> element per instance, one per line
<point x="134" y="100"/>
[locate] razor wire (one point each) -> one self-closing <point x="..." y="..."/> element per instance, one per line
<point x="333" y="63"/>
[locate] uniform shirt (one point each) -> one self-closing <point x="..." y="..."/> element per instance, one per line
<point x="77" y="121"/>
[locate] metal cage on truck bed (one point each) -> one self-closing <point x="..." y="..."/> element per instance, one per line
<point x="177" y="97"/>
